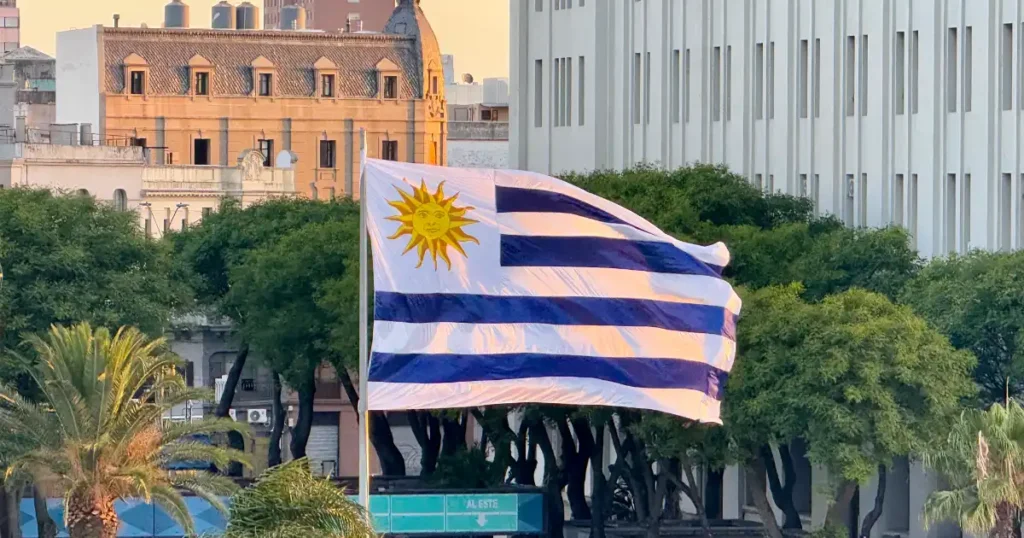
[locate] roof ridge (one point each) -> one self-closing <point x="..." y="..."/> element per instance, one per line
<point x="264" y="33"/>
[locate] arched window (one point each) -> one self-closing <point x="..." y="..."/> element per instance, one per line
<point x="120" y="200"/>
<point x="83" y="192"/>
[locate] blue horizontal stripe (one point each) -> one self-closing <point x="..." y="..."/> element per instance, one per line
<point x="650" y="256"/>
<point x="632" y="372"/>
<point x="465" y="308"/>
<point x="518" y="200"/>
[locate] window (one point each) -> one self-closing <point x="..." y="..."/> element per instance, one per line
<point x="647" y="88"/>
<point x="912" y="209"/>
<point x="771" y="80"/>
<point x="538" y="5"/>
<point x="968" y="66"/>
<point x="851" y="44"/>
<point x="391" y="87"/>
<point x="716" y="83"/>
<point x="202" y="83"/>
<point x="485" y="115"/>
<point x="863" y="75"/>
<point x="138" y="82"/>
<point x="267" y="149"/>
<point x="815" y="189"/>
<point x="138" y="142"/>
<point x="817" y="78"/>
<point x="581" y="103"/>
<point x="568" y="91"/>
<point x="951" y="71"/>
<point x="771" y="184"/>
<point x="389" y="150"/>
<point x="1005" y="209"/>
<point x="675" y="85"/>
<point x="897" y="201"/>
<point x="184" y="218"/>
<point x="950" y="213"/>
<point x="328" y="154"/>
<point x="207" y="211"/>
<point x="11" y="22"/>
<point x="120" y="200"/>
<point x="327" y="85"/>
<point x="965" y="215"/>
<point x="759" y="81"/>
<point x="863" y="195"/>
<point x="556" y="92"/>
<point x="759" y="182"/>
<point x="433" y="85"/>
<point x="686" y="85"/>
<point x="266" y="84"/>
<point x="802" y="77"/>
<point x="538" y="89"/>
<point x="636" y="88"/>
<point x="914" y="68"/>
<point x="901" y="75"/>
<point x="148" y="227"/>
<point x="167" y="220"/>
<point x="201" y="151"/>
<point x="1006" y="68"/>
<point x="803" y="185"/>
<point x="848" y="201"/>
<point x="727" y="81"/>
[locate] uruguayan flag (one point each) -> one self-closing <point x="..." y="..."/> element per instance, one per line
<point x="501" y="287"/>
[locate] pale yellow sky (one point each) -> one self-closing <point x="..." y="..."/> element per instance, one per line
<point x="475" y="31"/>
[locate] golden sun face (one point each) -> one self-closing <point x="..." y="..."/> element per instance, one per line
<point x="432" y="222"/>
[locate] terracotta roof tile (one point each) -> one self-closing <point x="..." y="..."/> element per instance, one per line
<point x="167" y="52"/>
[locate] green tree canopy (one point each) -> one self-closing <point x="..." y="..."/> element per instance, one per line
<point x="977" y="300"/>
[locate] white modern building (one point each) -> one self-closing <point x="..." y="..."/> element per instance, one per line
<point x="902" y="111"/>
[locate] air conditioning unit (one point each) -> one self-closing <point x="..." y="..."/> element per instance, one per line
<point x="259" y="416"/>
<point x="232" y="414"/>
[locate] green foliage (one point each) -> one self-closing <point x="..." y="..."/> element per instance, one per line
<point x="977" y="301"/>
<point x="859" y="378"/>
<point x="68" y="259"/>
<point x="98" y="432"/>
<point x="288" y="502"/>
<point x="982" y="460"/>
<point x="467" y="469"/>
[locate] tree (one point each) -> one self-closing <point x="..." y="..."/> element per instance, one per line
<point x="98" y="433"/>
<point x="976" y="300"/>
<point x="68" y="259"/>
<point x="858" y="378"/>
<point x="288" y="502"/>
<point x="982" y="459"/>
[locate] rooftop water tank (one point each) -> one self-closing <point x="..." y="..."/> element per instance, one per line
<point x="247" y="16"/>
<point x="223" y="16"/>
<point x="293" y="18"/>
<point x="176" y="14"/>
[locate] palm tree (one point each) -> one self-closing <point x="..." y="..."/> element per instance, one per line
<point x="288" y="502"/>
<point x="983" y="463"/>
<point x="98" y="432"/>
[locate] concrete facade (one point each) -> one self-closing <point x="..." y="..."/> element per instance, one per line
<point x="10" y="26"/>
<point x="904" y="113"/>
<point x="28" y="90"/>
<point x="202" y="96"/>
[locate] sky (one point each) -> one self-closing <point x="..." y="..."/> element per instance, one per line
<point x="475" y="31"/>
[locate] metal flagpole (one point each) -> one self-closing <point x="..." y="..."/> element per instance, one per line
<point x="364" y="395"/>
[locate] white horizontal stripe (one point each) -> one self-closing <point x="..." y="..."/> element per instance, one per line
<point x="549" y="390"/>
<point x="580" y="340"/>
<point x="566" y="225"/>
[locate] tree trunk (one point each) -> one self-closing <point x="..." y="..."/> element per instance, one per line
<point x="698" y="501"/>
<point x="1006" y="518"/>
<point x="454" y="438"/>
<point x="876" y="510"/>
<point x="576" y="460"/>
<point x="427" y="431"/>
<point x="47" y="527"/>
<point x="392" y="462"/>
<point x="278" y="416"/>
<point x="713" y="494"/>
<point x="837" y="513"/>
<point x="10" y="513"/>
<point x="304" y="423"/>
<point x="552" y="481"/>
<point x="228" y="396"/>
<point x="755" y="481"/>
<point x="88" y="517"/>
<point x="598" y="513"/>
<point x="782" y="490"/>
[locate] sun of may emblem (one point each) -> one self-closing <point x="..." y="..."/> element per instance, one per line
<point x="432" y="222"/>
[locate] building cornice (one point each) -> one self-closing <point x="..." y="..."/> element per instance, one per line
<point x="256" y="35"/>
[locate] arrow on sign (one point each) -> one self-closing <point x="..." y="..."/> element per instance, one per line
<point x="481" y="520"/>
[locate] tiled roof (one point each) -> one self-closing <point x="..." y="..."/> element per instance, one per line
<point x="168" y="51"/>
<point x="25" y="54"/>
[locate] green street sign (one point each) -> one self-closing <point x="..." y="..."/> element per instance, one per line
<point x="482" y="513"/>
<point x="420" y="514"/>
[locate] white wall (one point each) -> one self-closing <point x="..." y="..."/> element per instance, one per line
<point x="753" y="116"/>
<point x="78" y="77"/>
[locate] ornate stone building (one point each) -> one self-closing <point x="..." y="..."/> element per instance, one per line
<point x="200" y="97"/>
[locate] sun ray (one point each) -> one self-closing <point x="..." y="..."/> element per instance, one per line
<point x="432" y="221"/>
